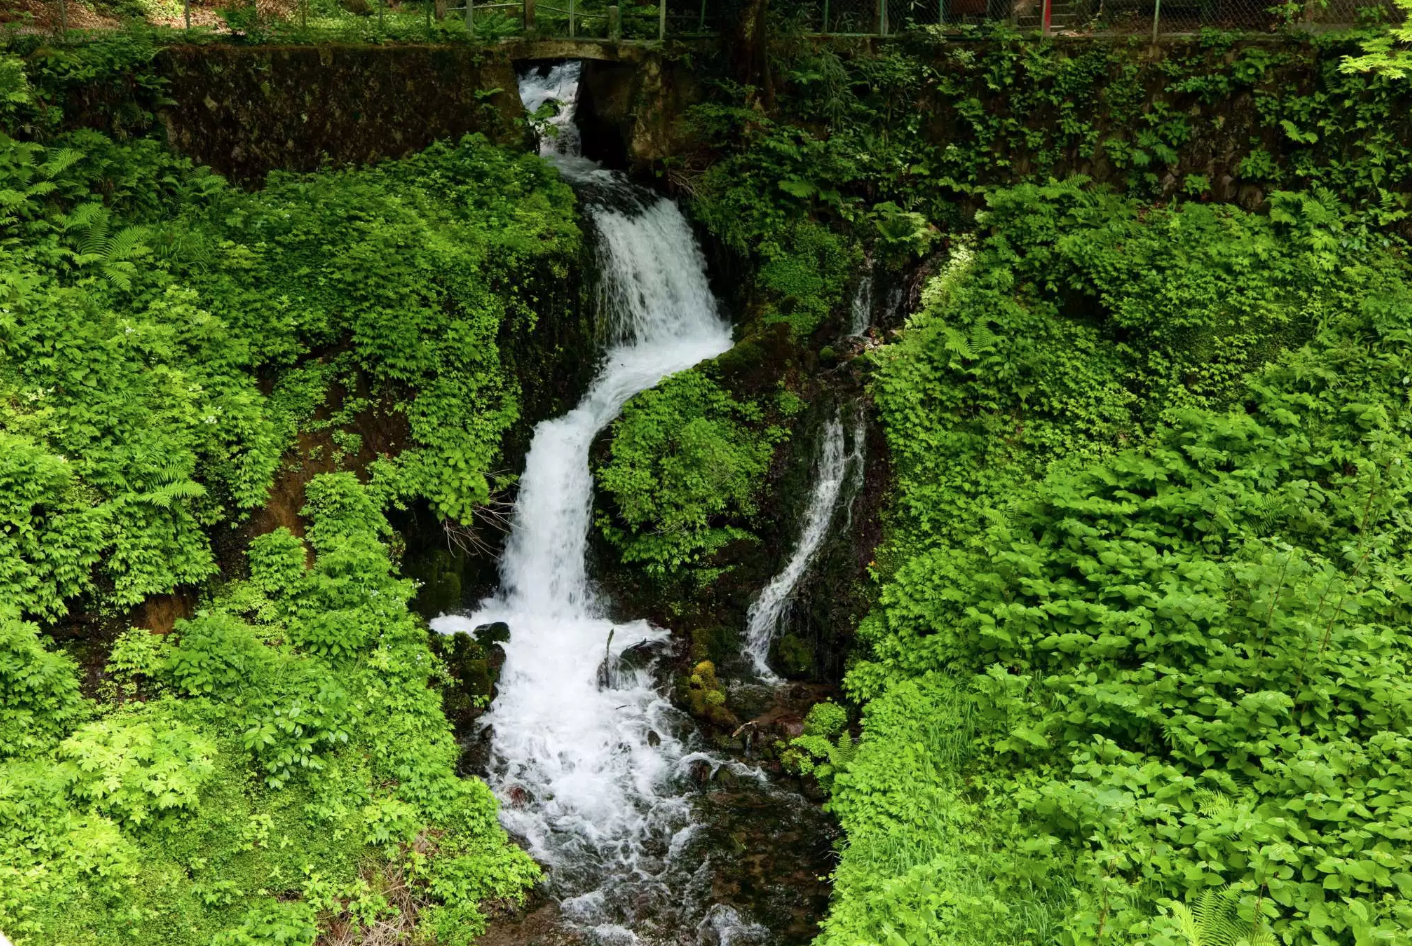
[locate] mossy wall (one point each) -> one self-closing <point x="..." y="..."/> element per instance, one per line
<point x="248" y="110"/>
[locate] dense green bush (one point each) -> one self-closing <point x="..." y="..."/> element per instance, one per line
<point x="685" y="466"/>
<point x="279" y="764"/>
<point x="39" y="695"/>
<point x="1142" y="628"/>
<point x="257" y="789"/>
<point x="141" y="300"/>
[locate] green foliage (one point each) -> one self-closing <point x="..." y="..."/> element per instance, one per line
<point x="137" y="763"/>
<point x="1144" y="570"/>
<point x="39" y="697"/>
<point x="1387" y="53"/>
<point x="272" y="924"/>
<point x="249" y="803"/>
<point x="816" y="752"/>
<point x="129" y="430"/>
<point x="686" y="463"/>
<point x="279" y="762"/>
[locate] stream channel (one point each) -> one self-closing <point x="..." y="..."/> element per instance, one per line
<point x="647" y="834"/>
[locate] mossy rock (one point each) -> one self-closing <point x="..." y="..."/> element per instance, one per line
<point x="714" y="643"/>
<point x="438" y="571"/>
<point x="795" y="656"/>
<point x="474" y="663"/>
<point x="706" y="698"/>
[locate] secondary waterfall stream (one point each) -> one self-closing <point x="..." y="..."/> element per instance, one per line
<point x="836" y="465"/>
<point x="594" y="775"/>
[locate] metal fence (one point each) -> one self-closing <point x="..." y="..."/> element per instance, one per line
<point x="576" y="19"/>
<point x="663" y="19"/>
<point x="1159" y="17"/>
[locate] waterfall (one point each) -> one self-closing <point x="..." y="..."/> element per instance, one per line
<point x="558" y="84"/>
<point x="862" y="310"/>
<point x="592" y="774"/>
<point x="835" y="466"/>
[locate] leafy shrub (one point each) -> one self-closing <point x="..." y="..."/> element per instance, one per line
<point x="132" y="430"/>
<point x="684" y="469"/>
<point x="1145" y="570"/>
<point x="39" y="695"/>
<point x="248" y="801"/>
<point x="137" y="764"/>
<point x="272" y="923"/>
<point x="219" y="655"/>
<point x="163" y="341"/>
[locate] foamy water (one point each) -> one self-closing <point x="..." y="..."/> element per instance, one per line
<point x="593" y="774"/>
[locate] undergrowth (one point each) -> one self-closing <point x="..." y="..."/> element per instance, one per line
<point x="278" y="767"/>
<point x="1136" y="668"/>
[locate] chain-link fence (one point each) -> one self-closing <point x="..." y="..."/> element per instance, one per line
<point x="411" y="19"/>
<point x="488" y="20"/>
<point x="1159" y="17"/>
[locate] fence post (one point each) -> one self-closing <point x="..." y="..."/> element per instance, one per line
<point x="1048" y="16"/>
<point x="661" y="21"/>
<point x="186" y="10"/>
<point x="470" y="15"/>
<point x="573" y="30"/>
<point x="701" y="26"/>
<point x="63" y="19"/>
<point x="615" y="23"/>
<point x="529" y="16"/>
<point x="940" y="12"/>
<point x="1156" y="18"/>
<point x="882" y="17"/>
<point x="825" y="27"/>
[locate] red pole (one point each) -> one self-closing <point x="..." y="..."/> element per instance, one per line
<point x="1048" y="9"/>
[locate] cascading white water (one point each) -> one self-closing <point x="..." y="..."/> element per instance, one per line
<point x="894" y="304"/>
<point x="862" y="310"/>
<point x="558" y="85"/>
<point x="591" y="775"/>
<point x="836" y="464"/>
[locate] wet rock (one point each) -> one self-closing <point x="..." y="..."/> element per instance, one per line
<point x="700" y="771"/>
<point x="706" y="698"/>
<point x="795" y="654"/>
<point x="438" y="576"/>
<point x="518" y="797"/>
<point x="653" y="739"/>
<point x="715" y="642"/>
<point x="497" y="632"/>
<point x="637" y="657"/>
<point x="474" y="665"/>
<point x="475" y="753"/>
<point x="617" y="671"/>
<point x="789" y="727"/>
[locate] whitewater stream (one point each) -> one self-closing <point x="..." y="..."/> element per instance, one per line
<point x="837" y="475"/>
<point x="596" y="772"/>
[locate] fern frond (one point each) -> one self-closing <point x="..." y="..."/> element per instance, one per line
<point x="95" y="242"/>
<point x="982" y="337"/>
<point x="957" y="344"/>
<point x="83" y="216"/>
<point x="127" y="243"/>
<point x="164" y="497"/>
<point x="1186" y="922"/>
<point x="60" y="161"/>
<point x="1217" y="923"/>
<point x="120" y="274"/>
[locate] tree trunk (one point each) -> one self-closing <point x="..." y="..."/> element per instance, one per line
<point x="751" y="52"/>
